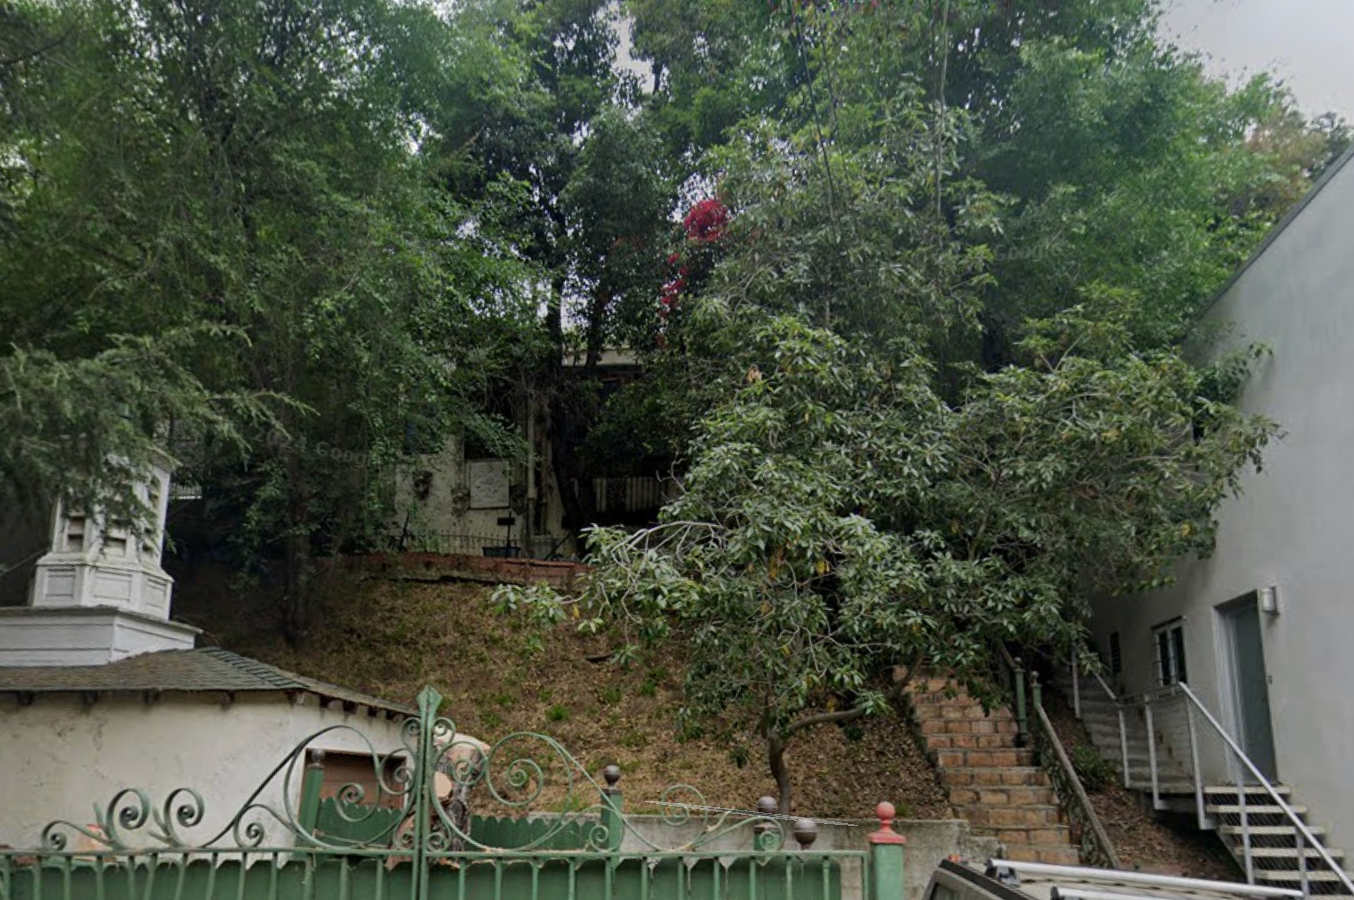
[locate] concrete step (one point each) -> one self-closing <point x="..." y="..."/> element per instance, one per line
<point x="1011" y="776"/>
<point x="1291" y="853"/>
<point x="1285" y="878"/>
<point x="1003" y="796"/>
<point x="1033" y="817"/>
<point x="1268" y="830"/>
<point x="1252" y="809"/>
<point x="1165" y="786"/>
<point x="1179" y="780"/>
<point x="1230" y="790"/>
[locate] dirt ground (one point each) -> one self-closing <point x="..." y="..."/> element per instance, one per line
<point x="390" y="638"/>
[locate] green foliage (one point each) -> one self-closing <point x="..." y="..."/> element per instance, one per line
<point x="557" y="713"/>
<point x="91" y="426"/>
<point x="261" y="177"/>
<point x="840" y="519"/>
<point x="1095" y="772"/>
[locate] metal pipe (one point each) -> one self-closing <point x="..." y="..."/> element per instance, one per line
<point x="1198" y="774"/>
<point x="1081" y="873"/>
<point x="1245" y="830"/>
<point x="1123" y="744"/>
<point x="1152" y="753"/>
<point x="1076" y="684"/>
<point x="1106" y="688"/>
<point x="1274" y="795"/>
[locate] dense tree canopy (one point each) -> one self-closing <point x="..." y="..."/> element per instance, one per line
<point x="908" y="283"/>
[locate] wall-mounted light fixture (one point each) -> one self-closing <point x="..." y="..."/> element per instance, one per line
<point x="1269" y="600"/>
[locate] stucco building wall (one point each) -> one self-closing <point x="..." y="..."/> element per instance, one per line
<point x="59" y="757"/>
<point x="1292" y="527"/>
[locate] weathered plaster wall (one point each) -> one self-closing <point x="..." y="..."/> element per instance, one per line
<point x="59" y="757"/>
<point x="439" y="495"/>
<point x="1293" y="525"/>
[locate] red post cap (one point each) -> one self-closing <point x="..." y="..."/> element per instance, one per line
<point x="886" y="834"/>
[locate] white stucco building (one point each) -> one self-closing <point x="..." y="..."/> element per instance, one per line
<point x="1262" y="630"/>
<point x="207" y="719"/>
<point x="100" y="691"/>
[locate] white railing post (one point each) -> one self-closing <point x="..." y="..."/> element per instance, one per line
<point x="1123" y="744"/>
<point x="1152" y="752"/>
<point x="1194" y="764"/>
<point x="1239" y="755"/>
<point x="1076" y="683"/>
<point x="1302" y="864"/>
<point x="1245" y="830"/>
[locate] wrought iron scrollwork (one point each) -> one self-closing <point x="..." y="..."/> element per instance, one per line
<point x="422" y="802"/>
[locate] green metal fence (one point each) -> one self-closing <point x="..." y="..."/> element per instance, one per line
<point x="415" y="840"/>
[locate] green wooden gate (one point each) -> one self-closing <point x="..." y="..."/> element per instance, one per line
<point x="415" y="841"/>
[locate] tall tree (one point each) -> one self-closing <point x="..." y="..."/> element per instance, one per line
<point x="259" y="168"/>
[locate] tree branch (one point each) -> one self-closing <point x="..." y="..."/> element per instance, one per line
<point x="821" y="718"/>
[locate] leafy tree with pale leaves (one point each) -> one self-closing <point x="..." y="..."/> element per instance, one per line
<point x="842" y="523"/>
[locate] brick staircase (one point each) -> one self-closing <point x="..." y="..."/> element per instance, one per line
<point x="992" y="783"/>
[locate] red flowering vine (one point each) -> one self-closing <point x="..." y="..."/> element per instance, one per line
<point x="704" y="224"/>
<point x="706" y="221"/>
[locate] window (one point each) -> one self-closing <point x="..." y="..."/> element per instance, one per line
<point x="1116" y="654"/>
<point x="1169" y="639"/>
<point x="75" y="533"/>
<point x="342" y="769"/>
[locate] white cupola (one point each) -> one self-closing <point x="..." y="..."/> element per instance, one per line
<point x="99" y="594"/>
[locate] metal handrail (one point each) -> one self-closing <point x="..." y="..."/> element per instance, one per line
<point x="1298" y="824"/>
<point x="1304" y="835"/>
<point x="1062" y="774"/>
<point x="1118" y="708"/>
<point x="1101" y="839"/>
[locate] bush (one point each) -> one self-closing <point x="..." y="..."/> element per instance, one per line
<point x="1095" y="772"/>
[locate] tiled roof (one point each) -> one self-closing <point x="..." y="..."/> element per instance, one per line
<point x="189" y="671"/>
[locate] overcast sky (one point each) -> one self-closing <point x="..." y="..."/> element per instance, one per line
<point x="1308" y="43"/>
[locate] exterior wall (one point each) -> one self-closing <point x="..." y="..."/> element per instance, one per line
<point x="97" y="563"/>
<point x="33" y="636"/>
<point x="1293" y="524"/>
<point x="60" y="756"/>
<point x="443" y="502"/>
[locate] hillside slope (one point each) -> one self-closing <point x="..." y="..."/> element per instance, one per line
<point x="392" y="637"/>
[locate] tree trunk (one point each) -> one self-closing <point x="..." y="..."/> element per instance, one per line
<point x="573" y="410"/>
<point x="775" y="754"/>
<point x="296" y="613"/>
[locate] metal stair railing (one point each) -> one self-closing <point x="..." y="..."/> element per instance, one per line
<point x="1118" y="708"/>
<point x="1304" y="836"/>
<point x="1154" y="704"/>
<point x="1092" y="839"/>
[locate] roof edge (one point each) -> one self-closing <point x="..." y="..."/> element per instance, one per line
<point x="1279" y="228"/>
